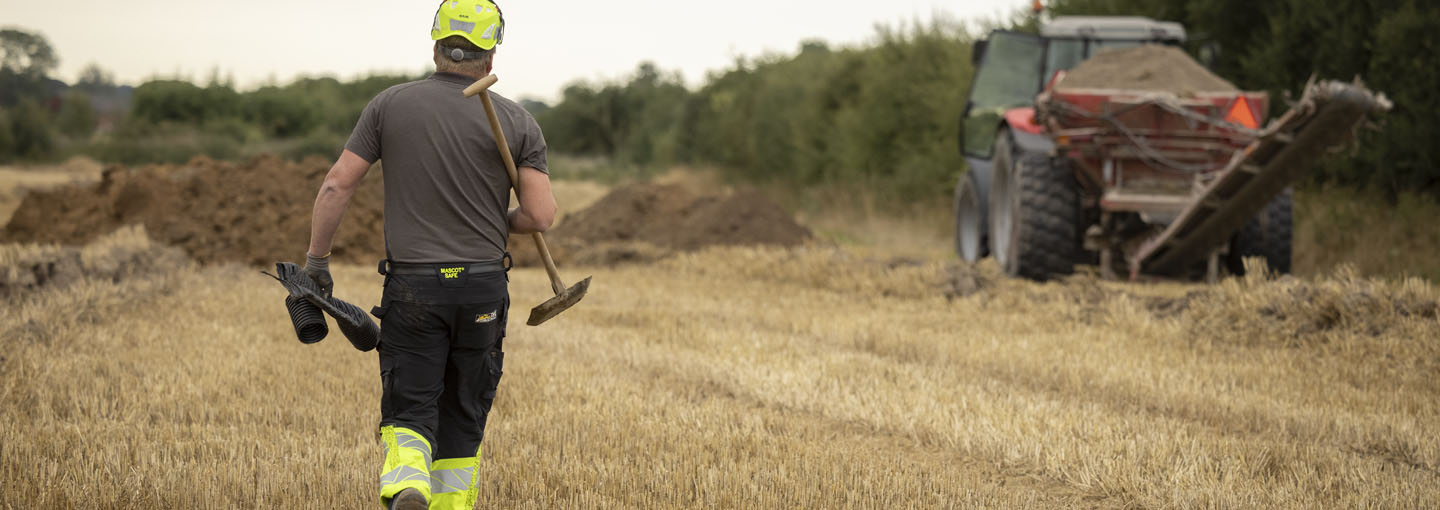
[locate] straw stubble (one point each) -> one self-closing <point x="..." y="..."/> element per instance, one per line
<point x="754" y="378"/>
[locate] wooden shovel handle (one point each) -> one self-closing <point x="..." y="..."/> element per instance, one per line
<point x="481" y="88"/>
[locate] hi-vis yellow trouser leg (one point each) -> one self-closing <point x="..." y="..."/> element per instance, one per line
<point x="452" y="482"/>
<point x="407" y="463"/>
<point x="448" y="484"/>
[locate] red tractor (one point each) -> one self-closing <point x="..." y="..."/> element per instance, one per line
<point x="1137" y="180"/>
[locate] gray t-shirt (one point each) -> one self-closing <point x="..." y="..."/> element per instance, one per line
<point x="446" y="189"/>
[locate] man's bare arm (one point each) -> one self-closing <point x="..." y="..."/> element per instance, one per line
<point x="537" y="205"/>
<point x="335" y="193"/>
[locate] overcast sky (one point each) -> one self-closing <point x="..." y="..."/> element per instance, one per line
<point x="547" y="43"/>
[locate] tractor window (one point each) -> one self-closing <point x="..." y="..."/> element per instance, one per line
<point x="1097" y="45"/>
<point x="1063" y="54"/>
<point x="1009" y="74"/>
<point x="1008" y="77"/>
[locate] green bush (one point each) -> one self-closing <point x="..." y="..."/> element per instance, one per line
<point x="171" y="121"/>
<point x="30" y="131"/>
<point x="632" y="121"/>
<point x="882" y="118"/>
<point x="183" y="102"/>
<point x="77" y="117"/>
<point x="282" y="112"/>
<point x="139" y="142"/>
<point x="320" y="143"/>
<point x="7" y="137"/>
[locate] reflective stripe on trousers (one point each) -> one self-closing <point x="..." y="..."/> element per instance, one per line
<point x="452" y="481"/>
<point x="407" y="462"/>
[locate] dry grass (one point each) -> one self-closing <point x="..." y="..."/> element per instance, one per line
<point x="124" y="254"/>
<point x="747" y="378"/>
<point x="860" y="222"/>
<point x="1335" y="227"/>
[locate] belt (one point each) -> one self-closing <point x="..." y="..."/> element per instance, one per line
<point x="404" y="268"/>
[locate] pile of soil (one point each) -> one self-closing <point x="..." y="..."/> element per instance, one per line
<point x="256" y="212"/>
<point x="641" y="222"/>
<point x="1146" y="67"/>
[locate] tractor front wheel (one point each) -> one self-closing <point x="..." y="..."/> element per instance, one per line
<point x="971" y="227"/>
<point x="1035" y="206"/>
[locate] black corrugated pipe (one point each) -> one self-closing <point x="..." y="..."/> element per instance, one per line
<point x="305" y="304"/>
<point x="308" y="320"/>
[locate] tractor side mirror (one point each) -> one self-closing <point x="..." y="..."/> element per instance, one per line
<point x="960" y="135"/>
<point x="1210" y="54"/>
<point x="977" y="51"/>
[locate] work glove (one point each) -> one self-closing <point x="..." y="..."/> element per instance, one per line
<point x="318" y="269"/>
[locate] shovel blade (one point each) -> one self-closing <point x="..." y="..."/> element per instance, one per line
<point x="561" y="302"/>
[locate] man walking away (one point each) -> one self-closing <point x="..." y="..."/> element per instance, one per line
<point x="445" y="302"/>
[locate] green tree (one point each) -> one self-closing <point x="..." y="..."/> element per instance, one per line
<point x="880" y="117"/>
<point x="77" y="116"/>
<point x="30" y="130"/>
<point x="24" y="64"/>
<point x="283" y="112"/>
<point x="95" y="80"/>
<point x="7" y="137"/>
<point x="183" y="102"/>
<point x="634" y="120"/>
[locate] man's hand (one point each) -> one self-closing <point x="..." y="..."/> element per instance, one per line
<point x="318" y="269"/>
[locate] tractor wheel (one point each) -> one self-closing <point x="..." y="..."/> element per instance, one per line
<point x="971" y="227"/>
<point x="1268" y="235"/>
<point x="1036" y="209"/>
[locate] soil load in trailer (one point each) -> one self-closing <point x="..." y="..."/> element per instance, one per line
<point x="1149" y="67"/>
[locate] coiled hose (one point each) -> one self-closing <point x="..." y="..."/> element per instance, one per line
<point x="306" y="303"/>
<point x="307" y="318"/>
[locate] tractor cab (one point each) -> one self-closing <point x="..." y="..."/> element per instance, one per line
<point x="1012" y="67"/>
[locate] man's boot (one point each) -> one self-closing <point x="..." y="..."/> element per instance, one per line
<point x="409" y="499"/>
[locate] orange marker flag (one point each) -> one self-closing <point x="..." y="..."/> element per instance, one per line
<point x="1241" y="114"/>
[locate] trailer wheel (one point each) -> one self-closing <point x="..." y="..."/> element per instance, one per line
<point x="971" y="225"/>
<point x="1268" y="235"/>
<point x="1040" y="233"/>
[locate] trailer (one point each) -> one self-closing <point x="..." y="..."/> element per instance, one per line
<point x="1137" y="180"/>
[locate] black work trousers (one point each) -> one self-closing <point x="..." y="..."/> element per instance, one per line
<point x="441" y="356"/>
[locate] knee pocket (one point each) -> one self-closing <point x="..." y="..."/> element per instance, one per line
<point x="494" y="368"/>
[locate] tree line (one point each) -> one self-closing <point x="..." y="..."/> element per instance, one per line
<point x="882" y="115"/>
<point x="166" y="119"/>
<point x="885" y="115"/>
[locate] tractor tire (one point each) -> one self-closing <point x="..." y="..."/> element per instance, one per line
<point x="1042" y="199"/>
<point x="1268" y="235"/>
<point x="972" y="241"/>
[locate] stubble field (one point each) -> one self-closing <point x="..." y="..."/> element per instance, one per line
<point x="816" y="377"/>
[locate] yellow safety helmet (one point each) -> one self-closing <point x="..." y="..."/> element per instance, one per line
<point x="478" y="21"/>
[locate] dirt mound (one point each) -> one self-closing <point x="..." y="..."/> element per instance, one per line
<point x="258" y="212"/>
<point x="642" y="222"/>
<point x="255" y="212"/>
<point x="1145" y="67"/>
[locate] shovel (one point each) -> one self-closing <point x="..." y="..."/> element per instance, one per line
<point x="564" y="297"/>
